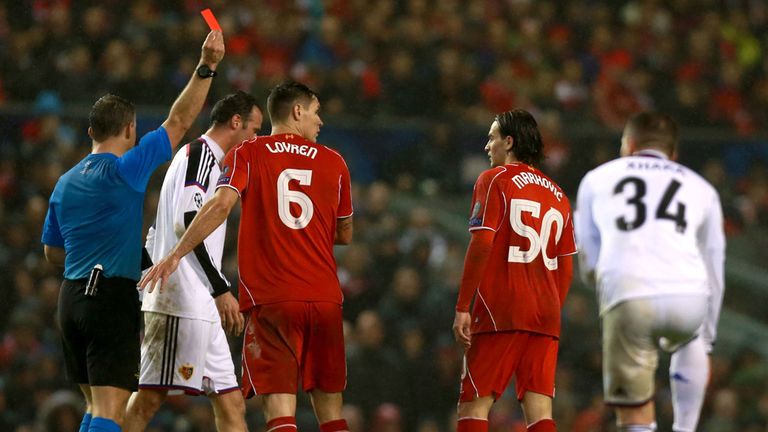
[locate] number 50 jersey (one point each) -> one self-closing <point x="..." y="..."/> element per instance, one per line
<point x="531" y="218"/>
<point x="648" y="226"/>
<point x="292" y="191"/>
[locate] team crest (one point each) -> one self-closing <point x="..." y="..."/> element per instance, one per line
<point x="186" y="370"/>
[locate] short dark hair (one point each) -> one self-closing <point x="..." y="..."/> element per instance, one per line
<point x="522" y="127"/>
<point x="283" y="97"/>
<point x="651" y="129"/>
<point x="109" y="115"/>
<point x="239" y="102"/>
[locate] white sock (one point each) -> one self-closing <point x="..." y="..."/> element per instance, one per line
<point x="638" y="428"/>
<point x="688" y="375"/>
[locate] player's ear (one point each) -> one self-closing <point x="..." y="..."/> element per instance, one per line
<point x="90" y="132"/>
<point x="509" y="142"/>
<point x="296" y="111"/>
<point x="235" y="122"/>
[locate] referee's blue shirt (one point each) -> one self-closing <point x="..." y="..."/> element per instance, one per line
<point x="95" y="211"/>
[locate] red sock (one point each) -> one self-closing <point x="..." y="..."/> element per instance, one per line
<point x="468" y="424"/>
<point x="339" y="425"/>
<point x="281" y="424"/>
<point x="545" y="425"/>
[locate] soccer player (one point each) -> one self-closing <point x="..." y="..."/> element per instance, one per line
<point x="650" y="235"/>
<point x="296" y="204"/>
<point x="518" y="268"/>
<point x="184" y="345"/>
<point x="93" y="229"/>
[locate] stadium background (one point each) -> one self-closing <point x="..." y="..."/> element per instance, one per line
<point x="408" y="89"/>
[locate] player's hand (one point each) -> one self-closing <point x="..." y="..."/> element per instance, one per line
<point x="229" y="310"/>
<point x="461" y="325"/>
<point x="213" y="48"/>
<point x="158" y="274"/>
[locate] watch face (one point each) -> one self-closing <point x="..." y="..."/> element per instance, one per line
<point x="205" y="72"/>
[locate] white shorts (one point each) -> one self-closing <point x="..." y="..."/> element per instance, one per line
<point x="185" y="355"/>
<point x="632" y="331"/>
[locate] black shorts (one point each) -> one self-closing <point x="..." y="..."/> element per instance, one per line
<point x="100" y="334"/>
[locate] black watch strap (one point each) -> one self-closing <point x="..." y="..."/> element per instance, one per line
<point x="204" y="71"/>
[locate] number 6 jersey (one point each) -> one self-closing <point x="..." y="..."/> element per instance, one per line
<point x="648" y="226"/>
<point x="292" y="191"/>
<point x="531" y="218"/>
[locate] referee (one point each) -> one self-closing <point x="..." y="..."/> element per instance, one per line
<point x="93" y="229"/>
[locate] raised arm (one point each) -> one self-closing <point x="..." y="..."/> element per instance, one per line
<point x="189" y="103"/>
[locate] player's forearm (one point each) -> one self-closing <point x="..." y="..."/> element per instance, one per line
<point x="475" y="262"/>
<point x="210" y="217"/>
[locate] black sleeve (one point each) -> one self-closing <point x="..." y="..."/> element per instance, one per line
<point x="219" y="284"/>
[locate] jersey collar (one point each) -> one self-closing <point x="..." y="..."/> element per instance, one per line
<point x="214" y="146"/>
<point x="651" y="153"/>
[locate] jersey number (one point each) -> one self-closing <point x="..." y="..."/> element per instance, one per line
<point x="538" y="241"/>
<point x="286" y="196"/>
<point x="662" y="211"/>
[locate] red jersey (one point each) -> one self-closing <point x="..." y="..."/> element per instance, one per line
<point x="292" y="192"/>
<point x="531" y="218"/>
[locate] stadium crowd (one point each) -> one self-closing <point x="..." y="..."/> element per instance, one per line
<point x="449" y="63"/>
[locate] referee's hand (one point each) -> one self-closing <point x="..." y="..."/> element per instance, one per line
<point x="158" y="274"/>
<point x="229" y="310"/>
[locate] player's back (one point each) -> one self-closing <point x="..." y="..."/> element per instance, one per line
<point x="296" y="191"/>
<point x="649" y="212"/>
<point x="532" y="219"/>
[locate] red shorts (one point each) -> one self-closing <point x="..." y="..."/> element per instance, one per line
<point x="493" y="358"/>
<point x="292" y="341"/>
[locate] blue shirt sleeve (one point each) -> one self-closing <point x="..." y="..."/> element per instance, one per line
<point x="137" y="164"/>
<point x="51" y="232"/>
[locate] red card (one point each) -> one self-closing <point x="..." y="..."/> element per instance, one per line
<point x="210" y="19"/>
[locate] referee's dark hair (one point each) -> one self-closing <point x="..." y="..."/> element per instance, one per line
<point x="651" y="129"/>
<point x="285" y="96"/>
<point x="109" y="115"/>
<point x="526" y="138"/>
<point x="239" y="102"/>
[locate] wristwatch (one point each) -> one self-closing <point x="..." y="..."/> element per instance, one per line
<point x="203" y="71"/>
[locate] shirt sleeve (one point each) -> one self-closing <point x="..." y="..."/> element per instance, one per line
<point x="488" y="202"/>
<point x="234" y="170"/>
<point x="711" y="242"/>
<point x="137" y="164"/>
<point x="587" y="234"/>
<point x="51" y="231"/>
<point x="345" y="192"/>
<point x="567" y="245"/>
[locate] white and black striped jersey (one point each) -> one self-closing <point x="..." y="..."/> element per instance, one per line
<point x="647" y="227"/>
<point x="188" y="184"/>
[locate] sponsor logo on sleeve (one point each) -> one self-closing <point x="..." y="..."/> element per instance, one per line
<point x="475" y="220"/>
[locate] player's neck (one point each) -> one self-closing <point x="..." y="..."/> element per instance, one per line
<point x="221" y="138"/>
<point x="280" y="129"/>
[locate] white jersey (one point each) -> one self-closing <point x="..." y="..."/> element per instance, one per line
<point x="647" y="226"/>
<point x="188" y="184"/>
